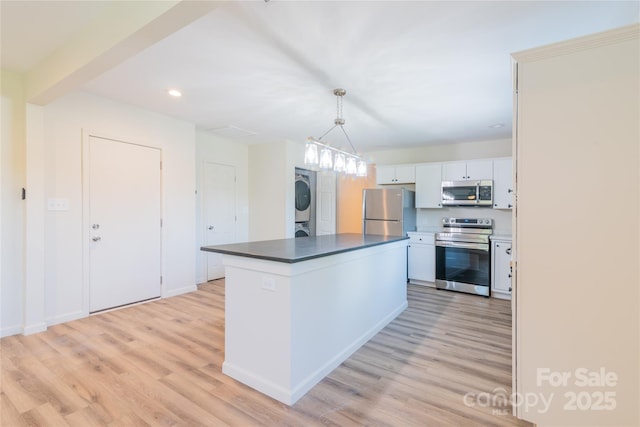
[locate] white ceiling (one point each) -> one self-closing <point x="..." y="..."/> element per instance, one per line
<point x="416" y="73"/>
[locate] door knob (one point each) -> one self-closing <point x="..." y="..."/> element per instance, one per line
<point x="96" y="238"/>
<point x="211" y="227"/>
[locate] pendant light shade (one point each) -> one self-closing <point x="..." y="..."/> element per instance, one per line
<point x="351" y="167"/>
<point x="339" y="162"/>
<point x="311" y="154"/>
<point x="326" y="158"/>
<point x="362" y="168"/>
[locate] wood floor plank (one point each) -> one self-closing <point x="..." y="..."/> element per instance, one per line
<point x="160" y="364"/>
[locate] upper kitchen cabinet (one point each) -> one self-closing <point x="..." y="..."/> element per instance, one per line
<point x="398" y="174"/>
<point x="462" y="171"/>
<point x="503" y="183"/>
<point x="428" y="185"/>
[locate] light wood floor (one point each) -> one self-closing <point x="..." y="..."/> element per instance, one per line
<point x="159" y="364"/>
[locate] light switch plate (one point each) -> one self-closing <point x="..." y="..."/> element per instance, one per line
<point x="59" y="204"/>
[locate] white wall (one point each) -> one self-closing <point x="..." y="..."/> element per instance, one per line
<point x="12" y="208"/>
<point x="64" y="121"/>
<point x="443" y="153"/>
<point x="577" y="288"/>
<point x="211" y="148"/>
<point x="271" y="189"/>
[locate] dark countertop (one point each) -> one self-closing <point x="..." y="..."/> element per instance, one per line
<point x="302" y="248"/>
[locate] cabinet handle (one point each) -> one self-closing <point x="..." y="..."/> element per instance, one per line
<point x="508" y="251"/>
<point x="510" y="205"/>
<point x="509" y="191"/>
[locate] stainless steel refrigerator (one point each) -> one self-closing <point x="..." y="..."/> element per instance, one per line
<point x="388" y="211"/>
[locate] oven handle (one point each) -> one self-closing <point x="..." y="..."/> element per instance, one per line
<point x="479" y="246"/>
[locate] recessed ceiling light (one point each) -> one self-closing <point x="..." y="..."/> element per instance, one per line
<point x="175" y="93"/>
<point x="497" y="126"/>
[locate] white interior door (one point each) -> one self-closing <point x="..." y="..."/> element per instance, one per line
<point x="125" y="223"/>
<point x="326" y="203"/>
<point x="219" y="212"/>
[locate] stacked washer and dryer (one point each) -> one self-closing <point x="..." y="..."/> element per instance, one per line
<point x="305" y="198"/>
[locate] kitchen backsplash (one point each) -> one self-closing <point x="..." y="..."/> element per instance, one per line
<point x="427" y="219"/>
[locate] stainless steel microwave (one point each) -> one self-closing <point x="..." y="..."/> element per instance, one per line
<point x="467" y="193"/>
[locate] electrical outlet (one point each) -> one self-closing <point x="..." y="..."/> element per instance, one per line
<point x="269" y="283"/>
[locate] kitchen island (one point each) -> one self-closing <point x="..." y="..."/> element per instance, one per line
<point x="295" y="309"/>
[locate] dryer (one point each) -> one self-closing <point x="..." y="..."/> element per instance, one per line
<point x="303" y="197"/>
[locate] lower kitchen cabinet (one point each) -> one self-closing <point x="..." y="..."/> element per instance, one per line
<point x="421" y="258"/>
<point x="501" y="268"/>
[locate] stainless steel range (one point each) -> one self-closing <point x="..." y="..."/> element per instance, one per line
<point x="463" y="255"/>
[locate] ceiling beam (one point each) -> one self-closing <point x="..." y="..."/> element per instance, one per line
<point x="125" y="29"/>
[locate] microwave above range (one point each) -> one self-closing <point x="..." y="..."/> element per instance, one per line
<point x="467" y="193"/>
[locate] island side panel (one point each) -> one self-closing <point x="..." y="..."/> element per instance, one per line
<point x="289" y="325"/>
<point x="258" y="327"/>
<point x="335" y="310"/>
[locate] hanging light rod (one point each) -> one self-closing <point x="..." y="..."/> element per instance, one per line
<point x="341" y="161"/>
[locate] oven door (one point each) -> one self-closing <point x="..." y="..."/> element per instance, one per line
<point x="464" y="267"/>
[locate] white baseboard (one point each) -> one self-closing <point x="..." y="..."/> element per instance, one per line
<point x="10" y="330"/>
<point x="79" y="314"/>
<point x="179" y="291"/>
<point x="34" y="329"/>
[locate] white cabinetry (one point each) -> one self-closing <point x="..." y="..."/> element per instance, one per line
<point x="428" y="185"/>
<point x="421" y="258"/>
<point x="395" y="174"/>
<point x="326" y="203"/>
<point x="502" y="183"/>
<point x="501" y="268"/>
<point x="472" y="169"/>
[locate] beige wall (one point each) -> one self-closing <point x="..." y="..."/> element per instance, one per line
<point x="577" y="229"/>
<point x="349" y="200"/>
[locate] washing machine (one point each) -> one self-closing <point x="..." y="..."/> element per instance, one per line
<point x="302" y="229"/>
<point x="303" y="198"/>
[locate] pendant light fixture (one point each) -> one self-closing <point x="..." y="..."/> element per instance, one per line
<point x="333" y="158"/>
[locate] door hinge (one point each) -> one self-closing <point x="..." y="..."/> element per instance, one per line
<point x="161" y="280"/>
<point x="161" y="165"/>
<point x="160" y="222"/>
